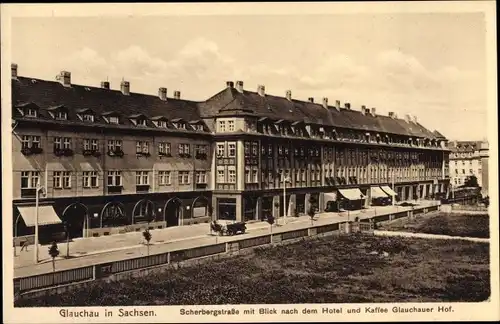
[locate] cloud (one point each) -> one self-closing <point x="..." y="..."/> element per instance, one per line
<point x="391" y="81"/>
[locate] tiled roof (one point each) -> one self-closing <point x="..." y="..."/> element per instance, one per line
<point x="230" y="101"/>
<point x="465" y="146"/>
<point x="78" y="98"/>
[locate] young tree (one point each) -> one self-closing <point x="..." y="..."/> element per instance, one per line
<point x="147" y="237"/>
<point x="66" y="229"/>
<point x="53" y="252"/>
<point x="311" y="212"/>
<point x="270" y="220"/>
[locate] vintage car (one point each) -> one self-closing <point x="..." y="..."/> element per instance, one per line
<point x="229" y="228"/>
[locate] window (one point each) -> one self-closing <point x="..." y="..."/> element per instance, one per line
<point x="221" y="177"/>
<point x="56" y="177"/>
<point x="471" y="171"/>
<point x="66" y="179"/>
<point x="164" y="178"/>
<point x="222" y="126"/>
<point x="114" y="145"/>
<point x="142" y="122"/>
<point x="35" y="141"/>
<point x="66" y="143"/>
<point x="184" y="149"/>
<point x="198" y="127"/>
<point x="201" y="149"/>
<point x="230" y="125"/>
<point x="30" y="141"/>
<point x="30" y="112"/>
<point x="142" y="147"/>
<point x="231" y="176"/>
<point x="57" y="143"/>
<point x="247" y="148"/>
<point x="183" y="177"/>
<point x="29" y="179"/>
<point x="221" y="149"/>
<point x="88" y="118"/>
<point x="232" y="150"/>
<point x="255" y="175"/>
<point x="90" y="179"/>
<point x="141" y="178"/>
<point x="255" y="148"/>
<point x="91" y="144"/>
<point x="114" y="178"/>
<point x="180" y="125"/>
<point x="114" y="120"/>
<point x="164" y="148"/>
<point x="248" y="175"/>
<point x="161" y="124"/>
<point x="201" y="177"/>
<point x="61" y="115"/>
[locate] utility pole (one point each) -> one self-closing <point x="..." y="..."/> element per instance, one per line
<point x="39" y="188"/>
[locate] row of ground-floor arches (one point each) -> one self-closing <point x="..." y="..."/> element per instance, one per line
<point x="78" y="217"/>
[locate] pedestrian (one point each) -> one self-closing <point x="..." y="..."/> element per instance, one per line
<point x="24" y="245"/>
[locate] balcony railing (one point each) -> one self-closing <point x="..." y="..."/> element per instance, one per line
<point x="63" y="152"/>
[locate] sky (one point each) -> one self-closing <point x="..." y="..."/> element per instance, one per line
<point x="429" y="65"/>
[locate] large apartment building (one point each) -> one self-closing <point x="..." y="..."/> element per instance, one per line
<point x="111" y="159"/>
<point x="469" y="158"/>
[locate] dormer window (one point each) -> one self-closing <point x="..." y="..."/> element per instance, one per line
<point x="58" y="113"/>
<point x="198" y="127"/>
<point x="61" y="115"/>
<point x="88" y="118"/>
<point x="179" y="123"/>
<point x="111" y="117"/>
<point x="30" y="112"/>
<point x="141" y="122"/>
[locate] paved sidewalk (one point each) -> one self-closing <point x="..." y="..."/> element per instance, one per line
<point x="88" y="251"/>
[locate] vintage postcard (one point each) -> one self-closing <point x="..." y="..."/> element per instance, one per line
<point x="249" y="162"/>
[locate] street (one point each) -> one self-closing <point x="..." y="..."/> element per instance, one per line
<point x="93" y="250"/>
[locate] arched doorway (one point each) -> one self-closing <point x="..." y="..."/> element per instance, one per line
<point x="172" y="212"/>
<point x="143" y="212"/>
<point x="76" y="217"/>
<point x="200" y="207"/>
<point x="113" y="215"/>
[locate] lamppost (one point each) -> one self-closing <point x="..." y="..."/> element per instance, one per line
<point x="39" y="189"/>
<point x="285" y="180"/>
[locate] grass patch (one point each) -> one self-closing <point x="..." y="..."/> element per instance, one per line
<point x="327" y="270"/>
<point x="444" y="224"/>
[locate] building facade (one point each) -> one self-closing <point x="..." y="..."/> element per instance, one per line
<point x="111" y="161"/>
<point x="469" y="158"/>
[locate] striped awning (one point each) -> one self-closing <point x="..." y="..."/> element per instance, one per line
<point x="46" y="215"/>
<point x="376" y="192"/>
<point x="389" y="191"/>
<point x="352" y="194"/>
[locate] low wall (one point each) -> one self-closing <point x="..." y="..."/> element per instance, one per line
<point x="60" y="280"/>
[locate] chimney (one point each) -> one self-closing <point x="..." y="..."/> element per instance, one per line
<point x="391" y="114"/>
<point x="407" y="118"/>
<point x="239" y="86"/>
<point x="311" y="99"/>
<point x="105" y="84"/>
<point x="229" y="84"/>
<point x="347" y="106"/>
<point x="374" y="112"/>
<point x="65" y="78"/>
<point x="261" y="90"/>
<point x="289" y="95"/>
<point x="13" y="70"/>
<point x="415" y="120"/>
<point x="363" y="110"/>
<point x="125" y="88"/>
<point x="177" y="95"/>
<point x="162" y="93"/>
<point x="337" y="105"/>
<point x="325" y="102"/>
